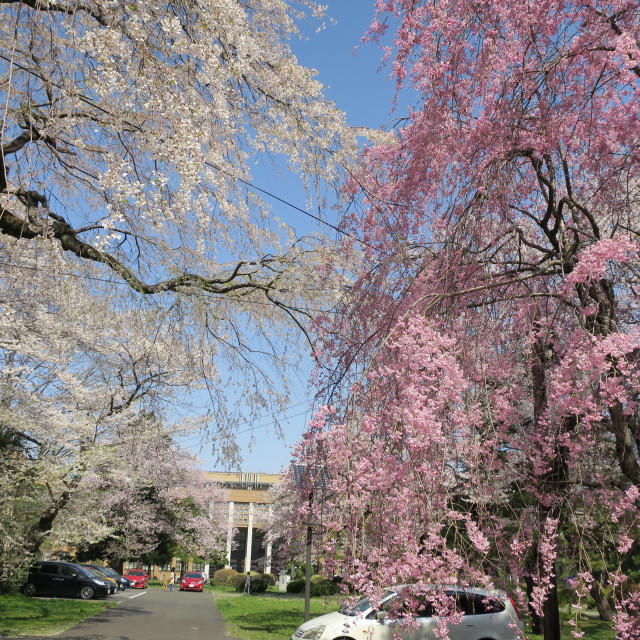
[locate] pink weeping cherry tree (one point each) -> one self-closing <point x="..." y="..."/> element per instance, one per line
<point x="482" y="374"/>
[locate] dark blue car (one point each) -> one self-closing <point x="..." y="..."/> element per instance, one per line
<point x="56" y="578"/>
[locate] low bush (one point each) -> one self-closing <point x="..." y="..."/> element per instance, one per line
<point x="259" y="583"/>
<point x="237" y="581"/>
<point x="221" y="576"/>
<point x="295" y="586"/>
<point x="321" y="586"/>
<point x="343" y="585"/>
<point x="270" y="578"/>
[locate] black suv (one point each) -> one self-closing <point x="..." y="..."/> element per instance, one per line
<point x="64" y="579"/>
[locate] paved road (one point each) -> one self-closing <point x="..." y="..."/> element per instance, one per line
<point x="153" y="614"/>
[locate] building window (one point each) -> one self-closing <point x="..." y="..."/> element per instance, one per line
<point x="241" y="513"/>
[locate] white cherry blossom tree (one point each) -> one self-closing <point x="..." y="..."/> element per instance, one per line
<point x="138" y="265"/>
<point x="128" y="134"/>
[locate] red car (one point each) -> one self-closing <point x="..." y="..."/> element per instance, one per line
<point x="138" y="578"/>
<point x="192" y="581"/>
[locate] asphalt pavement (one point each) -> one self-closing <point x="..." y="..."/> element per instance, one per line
<point x="153" y="614"/>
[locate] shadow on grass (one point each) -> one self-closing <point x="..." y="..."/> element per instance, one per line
<point x="265" y="622"/>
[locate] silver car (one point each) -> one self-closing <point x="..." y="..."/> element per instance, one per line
<point x="486" y="615"/>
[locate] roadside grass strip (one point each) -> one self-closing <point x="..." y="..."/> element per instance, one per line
<point x="593" y="630"/>
<point x="269" y="617"/>
<point x="276" y="616"/>
<point x="22" y="616"/>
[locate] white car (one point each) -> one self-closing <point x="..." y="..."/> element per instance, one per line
<point x="487" y="615"/>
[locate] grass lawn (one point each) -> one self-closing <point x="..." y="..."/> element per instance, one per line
<point x="276" y="616"/>
<point x="593" y="630"/>
<point x="272" y="616"/>
<point x="22" y="616"/>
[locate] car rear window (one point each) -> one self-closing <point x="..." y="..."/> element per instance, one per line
<point x="474" y="604"/>
<point x="49" y="568"/>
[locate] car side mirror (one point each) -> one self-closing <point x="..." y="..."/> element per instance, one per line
<point x="381" y="616"/>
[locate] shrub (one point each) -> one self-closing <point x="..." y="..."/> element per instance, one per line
<point x="258" y="583"/>
<point x="343" y="585"/>
<point x="221" y="576"/>
<point x="295" y="586"/>
<point x="237" y="581"/>
<point x="270" y="578"/>
<point x="321" y="586"/>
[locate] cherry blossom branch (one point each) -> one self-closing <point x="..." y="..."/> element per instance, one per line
<point x="237" y="280"/>
<point x="63" y="7"/>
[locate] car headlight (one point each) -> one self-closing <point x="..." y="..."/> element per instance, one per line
<point x="315" y="633"/>
<point x="101" y="583"/>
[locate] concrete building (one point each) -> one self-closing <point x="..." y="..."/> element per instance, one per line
<point x="250" y="499"/>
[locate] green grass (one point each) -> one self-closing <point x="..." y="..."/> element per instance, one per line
<point x="593" y="630"/>
<point x="270" y="616"/>
<point x="276" y="616"/>
<point x="22" y="616"/>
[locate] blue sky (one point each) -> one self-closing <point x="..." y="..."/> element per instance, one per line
<point x="354" y="83"/>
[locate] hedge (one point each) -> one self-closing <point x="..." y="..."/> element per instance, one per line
<point x="221" y="576"/>
<point x="259" y="583"/>
<point x="320" y="586"/>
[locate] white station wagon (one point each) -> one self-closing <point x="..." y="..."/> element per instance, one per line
<point x="487" y="615"/>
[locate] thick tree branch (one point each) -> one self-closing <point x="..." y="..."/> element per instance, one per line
<point x="70" y="8"/>
<point x="239" y="279"/>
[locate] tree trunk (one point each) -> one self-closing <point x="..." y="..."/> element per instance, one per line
<point x="307" y="575"/>
<point x="602" y="602"/>
<point x="536" y="621"/>
<point x="40" y="529"/>
<point x="551" y="613"/>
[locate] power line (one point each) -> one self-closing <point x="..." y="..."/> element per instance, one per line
<point x="262" y="426"/>
<point x="297" y="208"/>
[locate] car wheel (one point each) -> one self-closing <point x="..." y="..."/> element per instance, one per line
<point x="29" y="589"/>
<point x="87" y="593"/>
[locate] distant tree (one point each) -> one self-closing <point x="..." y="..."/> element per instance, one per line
<point x="84" y="411"/>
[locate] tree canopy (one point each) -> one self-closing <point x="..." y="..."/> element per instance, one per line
<point x="141" y="273"/>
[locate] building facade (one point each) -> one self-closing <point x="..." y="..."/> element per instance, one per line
<point x="249" y="504"/>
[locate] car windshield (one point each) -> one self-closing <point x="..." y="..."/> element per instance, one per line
<point x="191" y="574"/>
<point x="133" y="572"/>
<point x="93" y="573"/>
